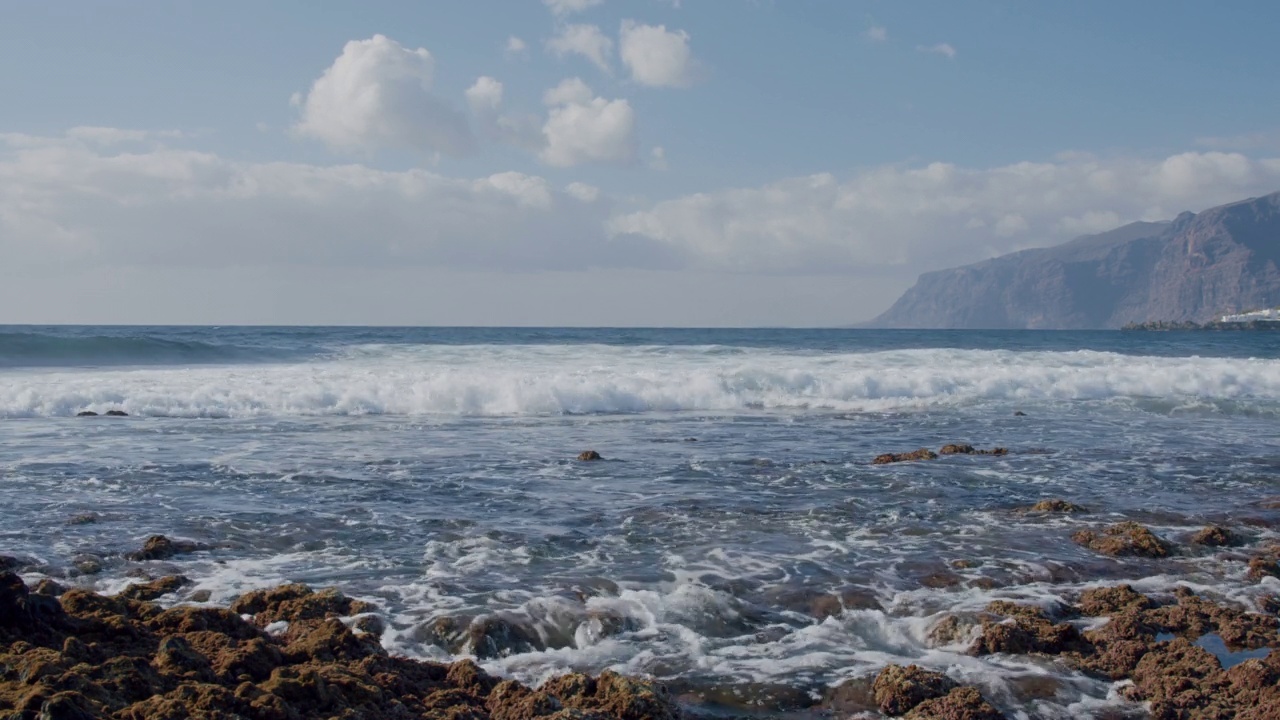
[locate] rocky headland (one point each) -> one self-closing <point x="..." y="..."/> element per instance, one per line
<point x="1187" y="271"/>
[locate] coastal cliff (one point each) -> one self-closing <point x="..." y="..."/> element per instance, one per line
<point x="1190" y="269"/>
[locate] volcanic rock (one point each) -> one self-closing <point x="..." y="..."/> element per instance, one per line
<point x="1056" y="506"/>
<point x="921" y="454"/>
<point x="159" y="547"/>
<point x="1124" y="539"/>
<point x="1216" y="536"/>
<point x="898" y="689"/>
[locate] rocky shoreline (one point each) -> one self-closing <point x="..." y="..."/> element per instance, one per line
<point x="291" y="652"/>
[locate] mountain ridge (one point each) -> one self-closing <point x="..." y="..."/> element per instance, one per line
<point x="1189" y="269"/>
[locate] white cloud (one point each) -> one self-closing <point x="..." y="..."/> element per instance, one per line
<point x="70" y="203"/>
<point x="377" y="94"/>
<point x="585" y="40"/>
<point x="943" y="49"/>
<point x="938" y="215"/>
<point x="877" y="33"/>
<point x="656" y="56"/>
<point x="568" y="7"/>
<point x="485" y="95"/>
<point x="581" y="128"/>
<point x="582" y="191"/>
<point x="657" y="158"/>
<point x="516" y="46"/>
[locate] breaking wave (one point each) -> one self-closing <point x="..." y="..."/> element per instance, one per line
<point x="512" y="380"/>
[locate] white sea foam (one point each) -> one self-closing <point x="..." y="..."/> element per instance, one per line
<point x="505" y="380"/>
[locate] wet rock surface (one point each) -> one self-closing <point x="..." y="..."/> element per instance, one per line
<point x="914" y="455"/>
<point x="88" y="656"/>
<point x="159" y="547"/>
<point x="921" y="694"/>
<point x="1154" y="643"/>
<point x="1055" y="505"/>
<point x="1124" y="539"/>
<point x="1216" y="536"/>
<point x="586" y="455"/>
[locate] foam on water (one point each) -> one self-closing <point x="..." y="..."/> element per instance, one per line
<point x="508" y="380"/>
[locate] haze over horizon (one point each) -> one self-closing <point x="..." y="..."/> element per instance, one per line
<point x="595" y="162"/>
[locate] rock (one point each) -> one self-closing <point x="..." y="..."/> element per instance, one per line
<point x="1025" y="630"/>
<point x="1216" y="536"/>
<point x="613" y="695"/>
<point x="957" y="450"/>
<point x="91" y="656"/>
<point x="1019" y="413"/>
<point x="589" y="455"/>
<point x="962" y="703"/>
<point x="494" y="636"/>
<point x="159" y="547"/>
<point x="921" y="454"/>
<point x="297" y="602"/>
<point x="48" y="587"/>
<point x="155" y="588"/>
<point x="86" y="413"/>
<point x="116" y="413"/>
<point x="747" y="697"/>
<point x="1261" y="567"/>
<point x="83" y="519"/>
<point x="851" y="697"/>
<point x="1055" y="506"/>
<point x="1124" y="539"/>
<point x="898" y="689"/>
<point x="951" y="630"/>
<point x="8" y="563"/>
<point x="1096" y="602"/>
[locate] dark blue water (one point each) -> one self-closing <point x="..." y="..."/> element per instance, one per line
<point x="432" y="471"/>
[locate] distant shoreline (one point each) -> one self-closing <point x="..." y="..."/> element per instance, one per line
<point x="1167" y="326"/>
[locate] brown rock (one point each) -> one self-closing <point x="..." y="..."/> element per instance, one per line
<point x="297" y="602"/>
<point x="1261" y="567"/>
<point x="1216" y="536"/>
<point x="1096" y="602"/>
<point x="898" y="689"/>
<point x="1124" y="539"/>
<point x="1056" y="506"/>
<point x="957" y="450"/>
<point x="962" y="703"/>
<point x="589" y="455"/>
<point x="159" y="547"/>
<point x="921" y="454"/>
<point x="155" y="588"/>
<point x="494" y="636"/>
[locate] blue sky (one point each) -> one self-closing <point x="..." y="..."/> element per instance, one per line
<point x="814" y="156"/>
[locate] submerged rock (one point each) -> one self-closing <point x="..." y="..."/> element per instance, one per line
<point x="921" y="454"/>
<point x="1124" y="539"/>
<point x="586" y="455"/>
<point x="960" y="449"/>
<point x="495" y="636"/>
<point x="1055" y="505"/>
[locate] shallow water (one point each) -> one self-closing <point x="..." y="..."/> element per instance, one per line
<point x="433" y="472"/>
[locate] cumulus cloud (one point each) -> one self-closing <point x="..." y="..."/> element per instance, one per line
<point x="377" y="94"/>
<point x="656" y="56"/>
<point x="585" y="40"/>
<point x="568" y="7"/>
<point x="938" y="215"/>
<point x="943" y="49"/>
<point x="67" y="203"/>
<point x="485" y="95"/>
<point x="582" y="128"/>
<point x="877" y="33"/>
<point x="516" y="46"/>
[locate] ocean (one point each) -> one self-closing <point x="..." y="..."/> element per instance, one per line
<point x="735" y="539"/>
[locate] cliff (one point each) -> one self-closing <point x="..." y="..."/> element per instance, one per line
<point x="1191" y="269"/>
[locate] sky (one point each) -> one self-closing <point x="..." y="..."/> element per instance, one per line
<point x="596" y="162"/>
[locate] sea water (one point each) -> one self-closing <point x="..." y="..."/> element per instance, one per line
<point x="433" y="472"/>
